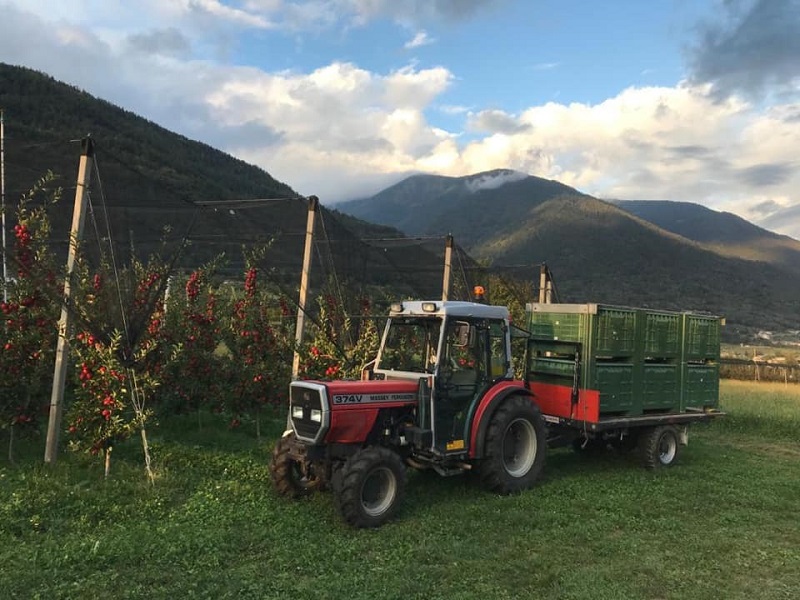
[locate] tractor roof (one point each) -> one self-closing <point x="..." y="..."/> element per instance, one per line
<point x="448" y="308"/>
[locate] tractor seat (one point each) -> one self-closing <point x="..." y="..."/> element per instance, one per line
<point x="465" y="377"/>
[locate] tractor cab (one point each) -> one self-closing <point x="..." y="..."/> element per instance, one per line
<point x="456" y="350"/>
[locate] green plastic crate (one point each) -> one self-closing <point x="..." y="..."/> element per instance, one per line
<point x="640" y="361"/>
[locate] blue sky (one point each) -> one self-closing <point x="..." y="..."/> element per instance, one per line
<point x="691" y="100"/>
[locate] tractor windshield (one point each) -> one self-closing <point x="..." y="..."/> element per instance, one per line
<point x="409" y="345"/>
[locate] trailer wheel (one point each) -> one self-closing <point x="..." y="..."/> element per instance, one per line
<point x="370" y="487"/>
<point x="290" y="477"/>
<point x="659" y="447"/>
<point x="515" y="447"/>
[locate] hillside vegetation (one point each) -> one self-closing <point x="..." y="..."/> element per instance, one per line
<point x="723" y="232"/>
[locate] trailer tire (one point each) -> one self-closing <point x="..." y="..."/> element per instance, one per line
<point x="515" y="447"/>
<point x="370" y="487"/>
<point x="659" y="447"/>
<point x="291" y="478"/>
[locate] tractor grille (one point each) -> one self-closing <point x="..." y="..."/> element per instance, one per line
<point x="309" y="411"/>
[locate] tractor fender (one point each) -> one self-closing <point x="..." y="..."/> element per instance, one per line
<point x="490" y="402"/>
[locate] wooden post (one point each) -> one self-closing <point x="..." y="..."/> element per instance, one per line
<point x="313" y="206"/>
<point x="448" y="265"/>
<point x="542" y="283"/>
<point x="65" y="322"/>
<point x="3" y="200"/>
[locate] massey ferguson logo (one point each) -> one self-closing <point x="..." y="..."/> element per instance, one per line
<point x="370" y="398"/>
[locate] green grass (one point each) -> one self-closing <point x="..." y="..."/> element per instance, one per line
<point x="722" y="523"/>
<point x="761" y="410"/>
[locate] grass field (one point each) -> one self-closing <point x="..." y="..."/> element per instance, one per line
<point x="722" y="523"/>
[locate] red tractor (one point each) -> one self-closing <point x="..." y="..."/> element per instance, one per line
<point x="441" y="395"/>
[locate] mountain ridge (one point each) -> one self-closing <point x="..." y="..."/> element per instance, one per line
<point x="599" y="251"/>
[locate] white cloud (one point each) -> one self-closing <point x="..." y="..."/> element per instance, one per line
<point x="219" y="10"/>
<point x="494" y="180"/>
<point x="421" y="38"/>
<point x="547" y="66"/>
<point x="453" y="109"/>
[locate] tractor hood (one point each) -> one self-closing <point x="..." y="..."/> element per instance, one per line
<point x="344" y="411"/>
<point x="372" y="392"/>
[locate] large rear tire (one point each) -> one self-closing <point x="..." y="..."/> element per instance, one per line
<point x="514" y="452"/>
<point x="370" y="487"/>
<point x="291" y="478"/>
<point x="659" y="447"/>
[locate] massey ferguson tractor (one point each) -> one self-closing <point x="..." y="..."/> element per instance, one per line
<point x="442" y="395"/>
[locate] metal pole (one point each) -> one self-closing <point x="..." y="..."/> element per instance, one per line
<point x="65" y="322"/>
<point x="3" y="199"/>
<point x="313" y="206"/>
<point x="448" y="264"/>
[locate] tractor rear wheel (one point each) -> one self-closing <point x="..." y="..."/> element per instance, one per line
<point x="515" y="447"/>
<point x="370" y="487"/>
<point x="290" y="477"/>
<point x="659" y="447"/>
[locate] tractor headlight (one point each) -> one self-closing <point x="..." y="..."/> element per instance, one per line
<point x="297" y="412"/>
<point x="316" y="415"/>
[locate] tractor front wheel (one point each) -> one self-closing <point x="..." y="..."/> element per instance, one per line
<point x="370" y="487"/>
<point x="515" y="447"/>
<point x="290" y="477"/>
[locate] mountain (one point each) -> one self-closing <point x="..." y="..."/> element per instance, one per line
<point x="422" y="204"/>
<point x="723" y="232"/>
<point x="597" y="251"/>
<point x="155" y="185"/>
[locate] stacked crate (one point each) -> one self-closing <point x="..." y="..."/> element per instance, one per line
<point x="640" y="361"/>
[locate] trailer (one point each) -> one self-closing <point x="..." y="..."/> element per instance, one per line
<point x="630" y="377"/>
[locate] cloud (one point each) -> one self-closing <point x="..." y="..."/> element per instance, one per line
<point x="549" y="66"/>
<point x="496" y="121"/>
<point x="493" y="180"/>
<point x="453" y="109"/>
<point x="218" y="10"/>
<point x="167" y="42"/>
<point x="765" y="208"/>
<point x="785" y="221"/>
<point x="756" y="51"/>
<point x="766" y="175"/>
<point x="415" y="11"/>
<point x="421" y="38"/>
